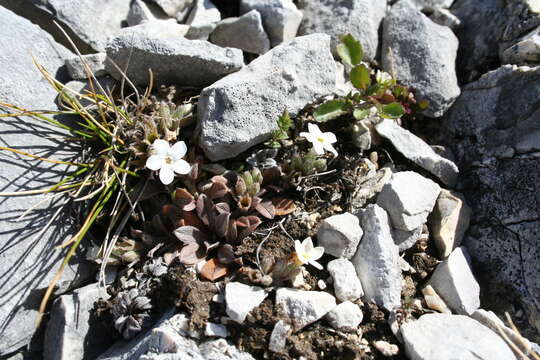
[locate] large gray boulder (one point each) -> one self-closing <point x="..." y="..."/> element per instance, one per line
<point x="245" y="32"/>
<point x="449" y="337"/>
<point x="361" y="18"/>
<point x="421" y="54"/>
<point x="495" y="129"/>
<point x="172" y="58"/>
<point x="93" y="21"/>
<point x="241" y="110"/>
<point x="28" y="257"/>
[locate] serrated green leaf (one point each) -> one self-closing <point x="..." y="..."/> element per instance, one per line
<point x="330" y="110"/>
<point x="393" y="110"/>
<point x="350" y="50"/>
<point x="360" y="77"/>
<point x="285" y="121"/>
<point x="360" y="114"/>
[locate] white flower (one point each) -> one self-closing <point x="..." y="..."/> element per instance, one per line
<point x="307" y="254"/>
<point x="321" y="141"/>
<point x="168" y="160"/>
<point x="382" y="77"/>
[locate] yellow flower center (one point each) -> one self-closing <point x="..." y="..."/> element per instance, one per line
<point x="169" y="159"/>
<point x="320" y="139"/>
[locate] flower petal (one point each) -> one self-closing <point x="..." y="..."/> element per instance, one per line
<point x="166" y="174"/>
<point x="331" y="148"/>
<point x="309" y="137"/>
<point x="308" y="245"/>
<point x="160" y="147"/>
<point x="298" y="247"/>
<point x="181" y="167"/>
<point x="154" y="162"/>
<point x="316" y="253"/>
<point x="318" y="147"/>
<point x="329" y="137"/>
<point x="178" y="150"/>
<point x="316" y="264"/>
<point x="314" y="129"/>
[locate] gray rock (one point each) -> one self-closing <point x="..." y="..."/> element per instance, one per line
<point x="369" y="185"/>
<point x="215" y="330"/>
<point x="172" y="59"/>
<point x="202" y="20"/>
<point x="524" y="51"/>
<point x="408" y="198"/>
<point x="72" y="332"/>
<point x="445" y="18"/>
<point x="281" y="18"/>
<point x="421" y="54"/>
<point x="347" y="286"/>
<point x="93" y="21"/>
<point x="432" y="5"/>
<point x="278" y="338"/>
<point x="501" y="109"/>
<point x="377" y="259"/>
<point x="340" y="235"/>
<point x="103" y="85"/>
<point x="304" y="307"/>
<point x="174" y="7"/>
<point x="448" y="337"/>
<point x="406" y="239"/>
<point x="241" y="299"/>
<point x="449" y="221"/>
<point x="418" y="151"/>
<point x="241" y="110"/>
<point x="163" y="338"/>
<point x="220" y="349"/>
<point x="29" y="258"/>
<point x="141" y="11"/>
<point x="96" y="63"/>
<point x="157" y="29"/>
<point x="361" y="18"/>
<point x="454" y="281"/>
<point x="245" y="32"/>
<point x="345" y="317"/>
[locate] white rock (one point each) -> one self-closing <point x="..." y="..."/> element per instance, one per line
<point x="278" y="338"/>
<point x="281" y="18"/>
<point x="220" y="349"/>
<point x="245" y="32"/>
<point x="215" y="330"/>
<point x="386" y="348"/>
<point x="416" y="150"/>
<point x="340" y="235"/>
<point x="434" y="301"/>
<point x="347" y="286"/>
<point x="241" y="299"/>
<point x="174" y="7"/>
<point x="445" y="18"/>
<point x="72" y="332"/>
<point x="406" y="239"/>
<point x="202" y="20"/>
<point x="321" y="284"/>
<point x="408" y="198"/>
<point x="173" y="59"/>
<point x="141" y="11"/>
<point x="424" y="58"/>
<point x="96" y="63"/>
<point x="345" y="317"/>
<point x="362" y="19"/>
<point x="454" y="281"/>
<point x="304" y="307"/>
<point x="157" y="29"/>
<point x="450" y="337"/>
<point x="377" y="259"/>
<point x="449" y="221"/>
<point x="241" y="110"/>
<point x="524" y="50"/>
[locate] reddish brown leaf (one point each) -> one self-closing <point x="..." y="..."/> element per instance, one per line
<point x="222" y="207"/>
<point x="189" y="254"/>
<point x="190" y="234"/>
<point x="213" y="270"/>
<point x="222" y="224"/>
<point x="266" y="209"/>
<point x="191" y="219"/>
<point x="218" y="190"/>
<point x="283" y="206"/>
<point x="183" y="199"/>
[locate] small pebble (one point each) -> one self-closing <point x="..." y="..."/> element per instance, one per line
<point x="386" y="348"/>
<point x="321" y="284"/>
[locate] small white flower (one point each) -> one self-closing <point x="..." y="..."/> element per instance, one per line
<point x="321" y="141"/>
<point x="382" y="77"/>
<point x="168" y="160"/>
<point x="307" y="254"/>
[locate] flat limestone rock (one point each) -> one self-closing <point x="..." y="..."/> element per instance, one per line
<point x="245" y="32"/>
<point x="304" y="307"/>
<point x="449" y="337"/>
<point x="28" y="257"/>
<point x="172" y="58"/>
<point x="241" y="110"/>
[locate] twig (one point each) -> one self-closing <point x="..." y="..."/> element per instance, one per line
<point x="263" y="241"/>
<point x="319" y="174"/>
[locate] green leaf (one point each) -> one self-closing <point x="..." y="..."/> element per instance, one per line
<point x="330" y="110"/>
<point x="285" y="121"/>
<point x="350" y="50"/>
<point x="360" y="77"/>
<point x="360" y="114"/>
<point x="393" y="110"/>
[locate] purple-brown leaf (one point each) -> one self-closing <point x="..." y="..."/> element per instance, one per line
<point x="190" y="235"/>
<point x="266" y="209"/>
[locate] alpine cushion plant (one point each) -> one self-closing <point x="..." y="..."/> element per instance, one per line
<point x="168" y="160"/>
